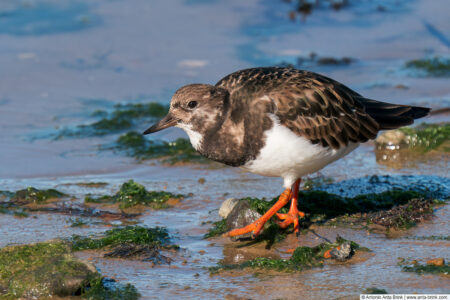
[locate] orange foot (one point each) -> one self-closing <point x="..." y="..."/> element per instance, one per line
<point x="293" y="214"/>
<point x="255" y="227"/>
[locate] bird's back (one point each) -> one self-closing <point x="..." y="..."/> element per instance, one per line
<point x="317" y="107"/>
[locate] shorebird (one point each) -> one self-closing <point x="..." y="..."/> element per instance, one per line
<point x="280" y="122"/>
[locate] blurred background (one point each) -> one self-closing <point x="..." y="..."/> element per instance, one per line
<point x="79" y="80"/>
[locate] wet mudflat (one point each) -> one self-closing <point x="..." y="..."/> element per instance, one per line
<point x="73" y="90"/>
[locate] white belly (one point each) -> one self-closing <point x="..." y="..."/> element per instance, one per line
<point x="290" y="156"/>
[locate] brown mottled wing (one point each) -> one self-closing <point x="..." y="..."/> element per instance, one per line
<point x="311" y="105"/>
<point x="323" y="111"/>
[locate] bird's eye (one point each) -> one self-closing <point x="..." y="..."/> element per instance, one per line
<point x="192" y="104"/>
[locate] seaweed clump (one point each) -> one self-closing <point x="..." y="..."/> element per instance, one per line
<point x="431" y="267"/>
<point x="135" y="242"/>
<point x="217" y="229"/>
<point x="136" y="145"/>
<point x="35" y="196"/>
<point x="435" y="66"/>
<point x="427" y="137"/>
<point x="321" y="204"/>
<point x="105" y="288"/>
<point x="408" y="207"/>
<point x="315" y="60"/>
<point x="302" y="258"/>
<point x="132" y="193"/>
<point x="404" y="216"/>
<point x="123" y="117"/>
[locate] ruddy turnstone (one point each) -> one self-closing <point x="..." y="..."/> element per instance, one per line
<point x="280" y="122"/>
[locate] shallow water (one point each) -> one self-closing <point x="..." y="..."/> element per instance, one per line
<point x="62" y="60"/>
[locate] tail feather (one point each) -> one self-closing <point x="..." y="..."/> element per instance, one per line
<point x="391" y="116"/>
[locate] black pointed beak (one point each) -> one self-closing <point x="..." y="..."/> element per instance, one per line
<point x="167" y="121"/>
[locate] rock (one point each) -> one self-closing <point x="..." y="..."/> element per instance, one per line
<point x="227" y="207"/>
<point x="42" y="270"/>
<point x="436" y="262"/>
<point x="391" y="137"/>
<point x="342" y="252"/>
<point x="240" y="216"/>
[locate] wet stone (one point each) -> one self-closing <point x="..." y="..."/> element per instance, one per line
<point x="342" y="252"/>
<point x="227" y="206"/>
<point x="42" y="270"/>
<point x="240" y="216"/>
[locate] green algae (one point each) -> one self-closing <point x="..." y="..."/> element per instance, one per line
<point x="123" y="117"/>
<point x="135" y="242"/>
<point x="322" y="207"/>
<point x="434" y="67"/>
<point x="40" y="270"/>
<point x="403" y="216"/>
<point x="375" y="291"/>
<point x="321" y="203"/>
<point x="427" y="269"/>
<point x="427" y="137"/>
<point x="134" y="144"/>
<point x="106" y="289"/>
<point x="132" y="193"/>
<point x="48" y="269"/>
<point x="138" y="235"/>
<point x="218" y="228"/>
<point x="78" y="222"/>
<point x="303" y="258"/>
<point x="315" y="60"/>
<point x="430" y="238"/>
<point x="91" y="184"/>
<point x="33" y="195"/>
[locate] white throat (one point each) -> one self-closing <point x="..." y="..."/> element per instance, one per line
<point x="194" y="136"/>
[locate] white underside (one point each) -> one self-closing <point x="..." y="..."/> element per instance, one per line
<point x="194" y="136"/>
<point x="290" y="156"/>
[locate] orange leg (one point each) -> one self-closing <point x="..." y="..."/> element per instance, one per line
<point x="256" y="226"/>
<point x="294" y="213"/>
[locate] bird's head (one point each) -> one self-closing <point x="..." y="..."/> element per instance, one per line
<point x="195" y="107"/>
